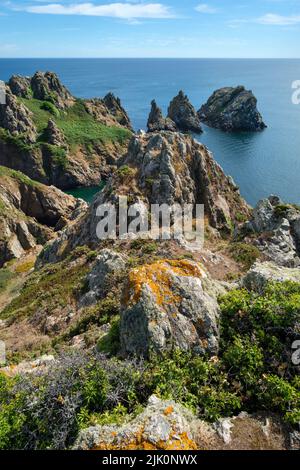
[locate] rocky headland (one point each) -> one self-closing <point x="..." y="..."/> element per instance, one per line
<point x="54" y="138"/>
<point x="136" y="343"/>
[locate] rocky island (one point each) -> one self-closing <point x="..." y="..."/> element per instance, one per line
<point x="232" y="109"/>
<point x="138" y="343"/>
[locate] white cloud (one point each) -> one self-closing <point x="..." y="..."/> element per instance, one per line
<point x="278" y="20"/>
<point x="205" y="8"/>
<point x="115" y="10"/>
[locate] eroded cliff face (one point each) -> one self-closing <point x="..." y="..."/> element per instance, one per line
<point x="56" y="139"/>
<point x="31" y="213"/>
<point x="168" y="168"/>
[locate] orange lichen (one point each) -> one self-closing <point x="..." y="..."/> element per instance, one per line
<point x="158" y="277"/>
<point x="168" y="410"/>
<point x="181" y="442"/>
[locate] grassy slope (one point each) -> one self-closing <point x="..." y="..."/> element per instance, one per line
<point x="78" y="126"/>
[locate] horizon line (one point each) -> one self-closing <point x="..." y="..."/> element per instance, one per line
<point x="151" y="58"/>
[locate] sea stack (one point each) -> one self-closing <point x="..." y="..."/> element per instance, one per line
<point x="183" y="113"/>
<point x="156" y="121"/>
<point x="232" y="109"/>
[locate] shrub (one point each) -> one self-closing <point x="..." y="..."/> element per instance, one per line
<point x="244" y="254"/>
<point x="50" y="107"/>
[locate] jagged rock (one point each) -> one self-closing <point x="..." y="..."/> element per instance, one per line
<point x="164" y="425"/>
<point x="232" y="109"/>
<point x="168" y="168"/>
<point x="17" y="119"/>
<point x="30" y="212"/>
<point x="166" y="305"/>
<point x="156" y="121"/>
<point x="47" y="87"/>
<point x="277" y="226"/>
<point x="114" y="106"/>
<point x="261" y="273"/>
<point x="184" y="114"/>
<point x="107" y="263"/>
<point x="20" y="86"/>
<point x="55" y="135"/>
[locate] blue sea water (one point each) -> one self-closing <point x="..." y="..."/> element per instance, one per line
<point x="261" y="164"/>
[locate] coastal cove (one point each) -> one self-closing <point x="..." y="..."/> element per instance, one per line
<point x="87" y="194"/>
<point x="261" y="163"/>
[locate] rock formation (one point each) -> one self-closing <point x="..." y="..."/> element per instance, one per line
<point x="20" y="86"/>
<point x="47" y="87"/>
<point x="182" y="112"/>
<point x="167" y="306"/>
<point x="232" y="109"/>
<point x="30" y="213"/>
<point x="166" y="425"/>
<point x="261" y="273"/>
<point x="156" y="121"/>
<point x="277" y="229"/>
<point x="116" y="109"/>
<point x="17" y="119"/>
<point x="98" y="136"/>
<point x="165" y="168"/>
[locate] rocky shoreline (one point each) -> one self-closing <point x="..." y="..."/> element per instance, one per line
<point x="140" y="343"/>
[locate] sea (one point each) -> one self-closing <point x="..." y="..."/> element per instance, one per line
<point x="261" y="163"/>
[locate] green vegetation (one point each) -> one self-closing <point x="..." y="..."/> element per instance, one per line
<point x="58" y="154"/>
<point x="244" y="254"/>
<point x="17" y="175"/>
<point x="51" y="108"/>
<point x="5" y="277"/>
<point x="51" y="287"/>
<point x="253" y="372"/>
<point x="18" y="141"/>
<point x="78" y="126"/>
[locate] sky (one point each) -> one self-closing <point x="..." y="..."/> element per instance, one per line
<point x="154" y="28"/>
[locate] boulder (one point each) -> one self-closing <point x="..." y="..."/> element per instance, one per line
<point x="232" y="109"/>
<point x="166" y="305"/>
<point x="163" y="425"/>
<point x="182" y="112"/>
<point x="261" y="273"/>
<point x="276" y="226"/>
<point x="156" y="121"/>
<point x="107" y="262"/>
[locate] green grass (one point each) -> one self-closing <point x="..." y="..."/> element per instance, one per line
<point x="5" y="277"/>
<point x="17" y="175"/>
<point x="78" y="126"/>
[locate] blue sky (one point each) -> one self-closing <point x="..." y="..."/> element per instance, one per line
<point x="154" y="28"/>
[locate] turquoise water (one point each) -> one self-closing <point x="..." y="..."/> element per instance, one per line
<point x="261" y="164"/>
<point x="87" y="194"/>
